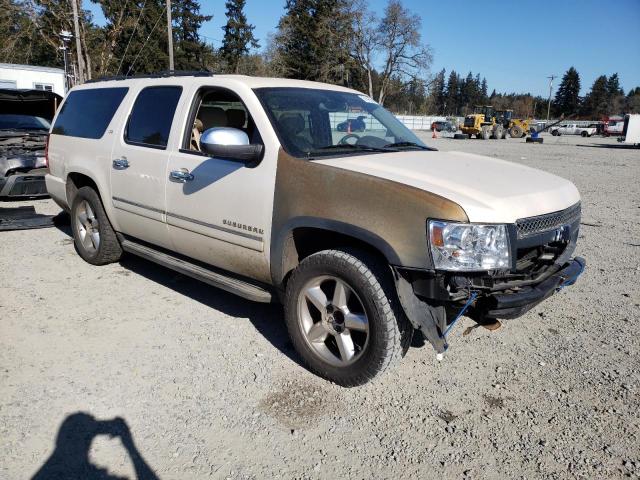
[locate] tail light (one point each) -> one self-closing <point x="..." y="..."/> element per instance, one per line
<point x="46" y="153"/>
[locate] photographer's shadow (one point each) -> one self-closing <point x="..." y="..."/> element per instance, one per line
<point x="70" y="459"/>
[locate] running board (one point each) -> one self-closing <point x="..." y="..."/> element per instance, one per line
<point x="233" y="285"/>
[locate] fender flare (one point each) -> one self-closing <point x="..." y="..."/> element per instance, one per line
<point x="283" y="242"/>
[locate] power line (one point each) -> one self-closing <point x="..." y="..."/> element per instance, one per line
<point x="131" y="37"/>
<point x="145" y="42"/>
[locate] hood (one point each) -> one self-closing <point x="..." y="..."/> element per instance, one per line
<point x="489" y="190"/>
<point x="38" y="103"/>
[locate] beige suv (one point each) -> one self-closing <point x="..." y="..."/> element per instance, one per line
<point x="366" y="237"/>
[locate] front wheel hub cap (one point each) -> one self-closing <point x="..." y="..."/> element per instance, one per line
<point x="333" y="321"/>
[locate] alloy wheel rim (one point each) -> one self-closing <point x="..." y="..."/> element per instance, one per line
<point x="333" y="320"/>
<point x="88" y="227"/>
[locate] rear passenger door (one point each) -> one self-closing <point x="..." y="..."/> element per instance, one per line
<point x="139" y="164"/>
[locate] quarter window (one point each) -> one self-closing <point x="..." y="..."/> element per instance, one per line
<point x="87" y="113"/>
<point x="152" y="115"/>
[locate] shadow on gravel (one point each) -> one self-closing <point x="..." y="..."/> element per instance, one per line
<point x="268" y="319"/>
<point x="70" y="459"/>
<point x="622" y="146"/>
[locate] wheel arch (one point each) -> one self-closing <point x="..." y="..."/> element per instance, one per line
<point x="304" y="236"/>
<point x="78" y="178"/>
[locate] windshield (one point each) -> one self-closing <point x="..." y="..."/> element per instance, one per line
<point x="23" y="122"/>
<point x="313" y="122"/>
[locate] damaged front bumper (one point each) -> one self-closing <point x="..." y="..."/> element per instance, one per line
<point x="432" y="308"/>
<point x="513" y="304"/>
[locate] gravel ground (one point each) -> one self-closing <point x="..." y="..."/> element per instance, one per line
<point x="209" y="386"/>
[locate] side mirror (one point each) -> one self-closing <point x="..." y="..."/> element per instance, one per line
<point x="230" y="144"/>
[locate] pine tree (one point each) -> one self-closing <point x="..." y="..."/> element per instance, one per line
<point x="596" y="103"/>
<point x="567" y="100"/>
<point x="483" y="90"/>
<point x="453" y="93"/>
<point x="133" y="40"/>
<point x="613" y="86"/>
<point x="438" y="92"/>
<point x="312" y="42"/>
<point x="238" y="35"/>
<point x="467" y="93"/>
<point x="191" y="52"/>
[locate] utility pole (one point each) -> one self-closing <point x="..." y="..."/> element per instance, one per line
<point x="76" y="27"/>
<point x="65" y="37"/>
<point x="170" y="35"/>
<point x="550" y="89"/>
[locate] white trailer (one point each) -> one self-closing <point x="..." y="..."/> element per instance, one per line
<point x="631" y="132"/>
<point x="32" y="78"/>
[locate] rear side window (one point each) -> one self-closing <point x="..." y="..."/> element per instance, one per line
<point x="87" y="113"/>
<point x="152" y="115"/>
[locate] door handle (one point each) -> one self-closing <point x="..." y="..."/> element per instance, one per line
<point x="181" y="176"/>
<point x="120" y="163"/>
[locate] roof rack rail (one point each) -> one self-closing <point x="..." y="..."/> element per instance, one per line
<point x="162" y="74"/>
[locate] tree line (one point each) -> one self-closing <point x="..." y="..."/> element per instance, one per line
<point x="606" y="97"/>
<point x="334" y="41"/>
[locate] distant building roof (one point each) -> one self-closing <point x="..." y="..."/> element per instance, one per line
<point x="35" y="68"/>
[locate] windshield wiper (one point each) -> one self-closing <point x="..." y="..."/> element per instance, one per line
<point x="365" y="148"/>
<point x="406" y="144"/>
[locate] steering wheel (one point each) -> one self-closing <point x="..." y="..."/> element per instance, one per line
<point x="343" y="140"/>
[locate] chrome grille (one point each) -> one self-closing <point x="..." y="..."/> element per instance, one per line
<point x="550" y="221"/>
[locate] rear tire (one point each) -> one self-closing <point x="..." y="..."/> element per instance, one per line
<point x="555" y="133"/>
<point x="318" y="318"/>
<point x="497" y="132"/>
<point x="486" y="133"/>
<point x="94" y="237"/>
<point x="584" y="134"/>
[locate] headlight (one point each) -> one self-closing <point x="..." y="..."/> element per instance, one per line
<point x="465" y="247"/>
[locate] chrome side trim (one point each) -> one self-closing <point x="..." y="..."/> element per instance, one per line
<point x="215" y="227"/>
<point x="136" y="204"/>
<point x="187" y="219"/>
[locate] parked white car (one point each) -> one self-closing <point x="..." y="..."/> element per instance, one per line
<point x="572" y="129"/>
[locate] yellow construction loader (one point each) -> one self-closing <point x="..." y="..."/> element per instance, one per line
<point x="486" y="122"/>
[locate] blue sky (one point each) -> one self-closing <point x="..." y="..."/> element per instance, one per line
<point x="534" y="39"/>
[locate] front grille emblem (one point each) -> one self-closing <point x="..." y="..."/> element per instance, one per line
<point x="562" y="234"/>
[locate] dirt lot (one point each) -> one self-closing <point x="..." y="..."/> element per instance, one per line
<point x="210" y="387"/>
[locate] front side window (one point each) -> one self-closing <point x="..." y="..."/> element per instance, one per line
<point x="314" y="122"/>
<point x="152" y="115"/>
<point x="87" y="113"/>
<point x="216" y="108"/>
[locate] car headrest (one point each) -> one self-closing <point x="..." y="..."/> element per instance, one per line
<point x="212" y="117"/>
<point x="291" y="123"/>
<point x="198" y="125"/>
<point x="236" y="118"/>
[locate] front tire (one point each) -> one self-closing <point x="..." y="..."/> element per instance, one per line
<point x="344" y="317"/>
<point x="94" y="237"/>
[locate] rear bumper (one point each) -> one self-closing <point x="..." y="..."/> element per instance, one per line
<point x="57" y="188"/>
<point x="24" y="185"/>
<point x="514" y="304"/>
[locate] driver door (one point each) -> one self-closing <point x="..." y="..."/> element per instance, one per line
<point x="219" y="210"/>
